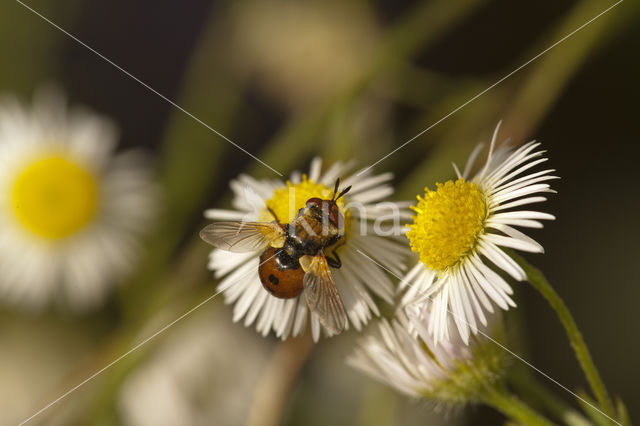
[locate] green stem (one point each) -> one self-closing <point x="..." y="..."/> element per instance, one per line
<point x="539" y="397"/>
<point x="540" y="283"/>
<point x="512" y="407"/>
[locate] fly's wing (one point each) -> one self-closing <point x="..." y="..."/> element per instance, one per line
<point x="241" y="237"/>
<point x="322" y="294"/>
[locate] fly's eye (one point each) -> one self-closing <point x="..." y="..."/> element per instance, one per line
<point x="335" y="216"/>
<point x="315" y="202"/>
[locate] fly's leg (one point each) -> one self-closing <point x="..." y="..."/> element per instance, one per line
<point x="334" y="261"/>
<point x="332" y="258"/>
<point x="270" y="210"/>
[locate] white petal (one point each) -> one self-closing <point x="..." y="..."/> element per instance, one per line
<point x="466" y="295"/>
<point x="507" y="179"/>
<point x="472" y="158"/>
<point x="542" y="175"/>
<point x="514" y="233"/>
<point x="525" y="182"/>
<point x="523" y="214"/>
<point x="315" y="168"/>
<point x="501" y="260"/>
<point x="362" y="183"/>
<point x="516" y="203"/>
<point x="457" y="311"/>
<point x="372" y="195"/>
<point x="221" y="214"/>
<point x="494" y="292"/>
<point x="517" y="157"/>
<point x="470" y="291"/>
<point x="510" y="195"/>
<point x="514" y="243"/>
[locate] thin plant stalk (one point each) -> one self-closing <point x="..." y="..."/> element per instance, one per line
<point x="533" y="392"/>
<point x="278" y="381"/>
<point x="511" y="406"/>
<point x="540" y="283"/>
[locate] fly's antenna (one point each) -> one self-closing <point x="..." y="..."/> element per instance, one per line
<point x="335" y="190"/>
<point x="344" y="191"/>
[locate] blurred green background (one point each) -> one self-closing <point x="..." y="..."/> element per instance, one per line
<point x="290" y="80"/>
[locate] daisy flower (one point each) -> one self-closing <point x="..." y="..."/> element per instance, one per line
<point x="70" y="209"/>
<point x="181" y="382"/>
<point x="356" y="280"/>
<point x="458" y="231"/>
<point x="402" y="354"/>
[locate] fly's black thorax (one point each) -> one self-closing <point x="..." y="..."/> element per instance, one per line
<point x="309" y="233"/>
<point x="285" y="261"/>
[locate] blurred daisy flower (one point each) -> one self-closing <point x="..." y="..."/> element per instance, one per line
<point x="356" y="280"/>
<point x="181" y="382"/>
<point x="402" y="354"/>
<point x="70" y="209"/>
<point x="462" y="224"/>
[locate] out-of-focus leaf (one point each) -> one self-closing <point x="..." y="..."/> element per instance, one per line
<point x="190" y="157"/>
<point x="587" y="403"/>
<point x="532" y="97"/>
<point x="421" y="27"/>
<point x="548" y="76"/>
<point x="30" y="46"/>
<point x="623" y="413"/>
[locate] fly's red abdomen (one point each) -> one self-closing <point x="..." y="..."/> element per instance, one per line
<point x="280" y="276"/>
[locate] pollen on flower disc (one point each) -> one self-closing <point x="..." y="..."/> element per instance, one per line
<point x="447" y="223"/>
<point x="286" y="201"/>
<point x="53" y="197"/>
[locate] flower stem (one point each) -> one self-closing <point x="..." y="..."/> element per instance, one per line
<point x="540" y="283"/>
<point x="273" y="391"/>
<point x="539" y="397"/>
<point x="512" y="407"/>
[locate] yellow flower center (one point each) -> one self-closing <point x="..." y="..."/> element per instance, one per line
<point x="53" y="197"/>
<point x="286" y="201"/>
<point x="447" y="223"/>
